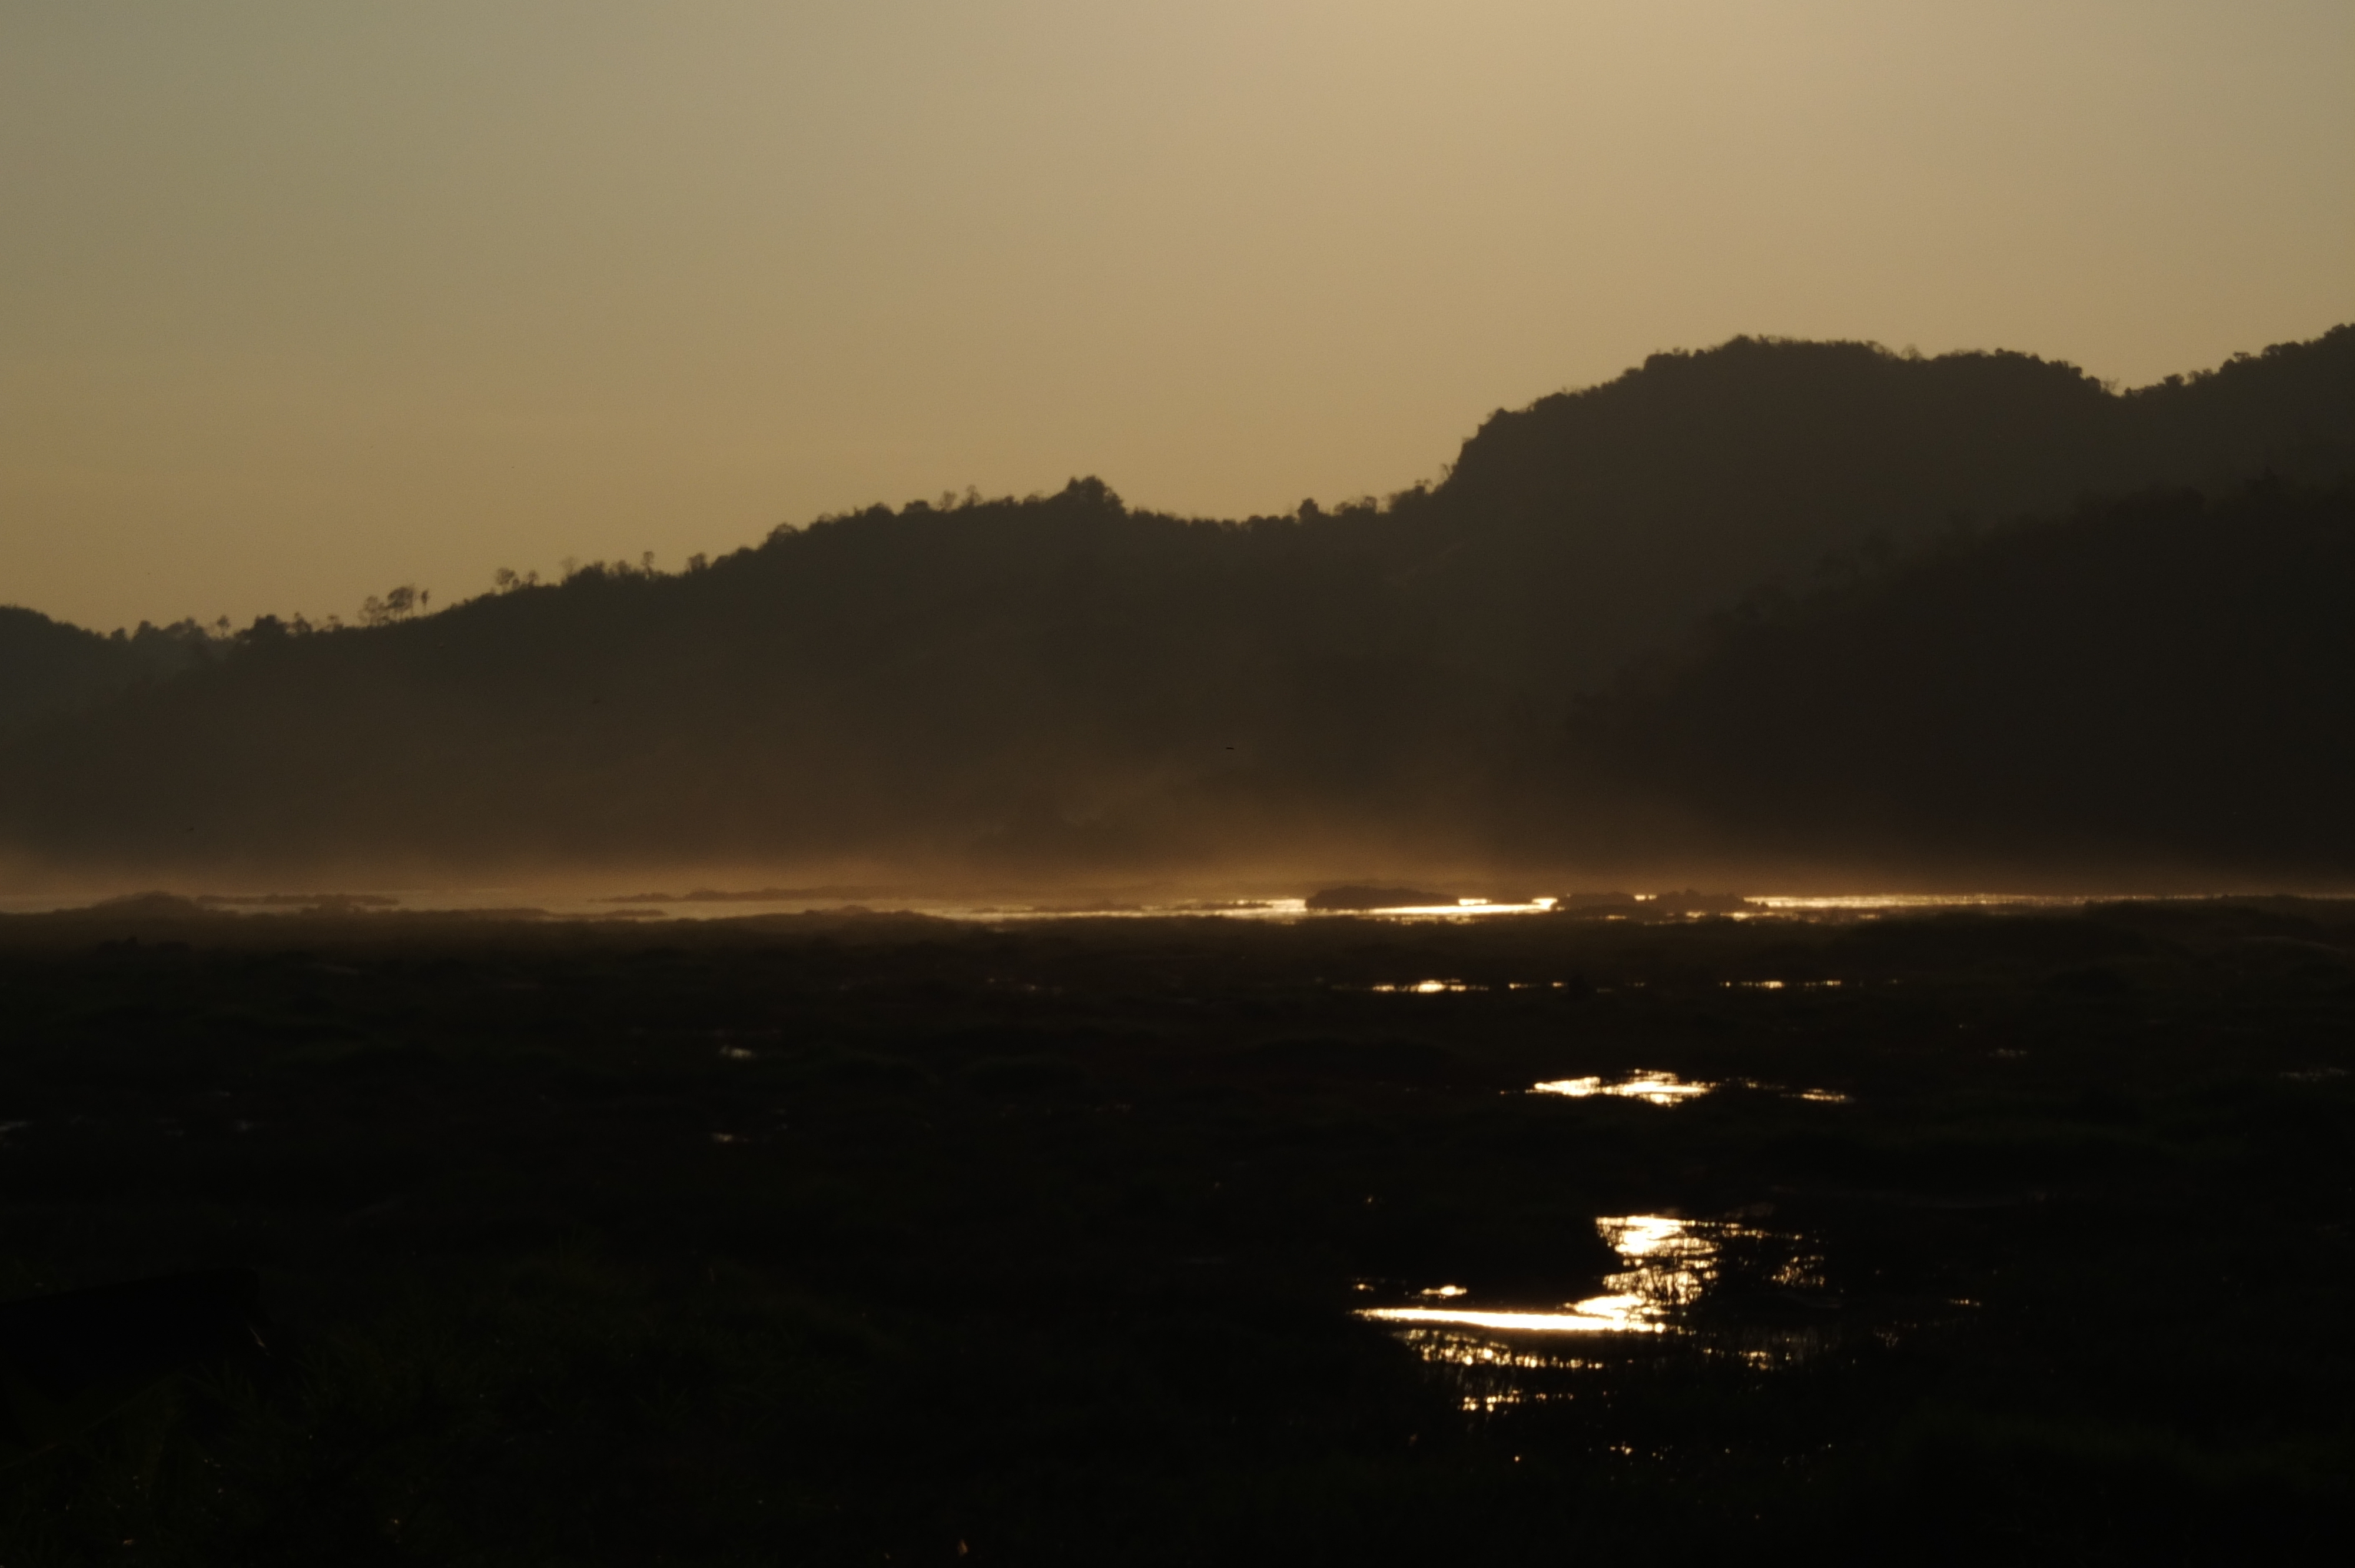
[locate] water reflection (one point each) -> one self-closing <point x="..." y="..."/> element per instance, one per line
<point x="1461" y="909"/>
<point x="1660" y="1089"/>
<point x="1653" y="1088"/>
<point x="571" y="903"/>
<point x="1670" y="1262"/>
<point x="1502" y="1356"/>
<point x="1875" y="903"/>
<point x="1597" y="1315"/>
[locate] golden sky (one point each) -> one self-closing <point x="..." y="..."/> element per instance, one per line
<point x="301" y="300"/>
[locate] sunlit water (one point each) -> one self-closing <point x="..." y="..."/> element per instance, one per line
<point x="1659" y="1088"/>
<point x="1670" y="1261"/>
<point x="711" y="905"/>
<point x="1655" y="1088"/>
<point x="1670" y="1265"/>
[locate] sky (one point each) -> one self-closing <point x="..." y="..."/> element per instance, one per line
<point x="300" y="301"/>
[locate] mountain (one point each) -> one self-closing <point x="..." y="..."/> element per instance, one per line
<point x="1593" y="525"/>
<point x="48" y="666"/>
<point x="2165" y="683"/>
<point x="1059" y="679"/>
<point x="1064" y="683"/>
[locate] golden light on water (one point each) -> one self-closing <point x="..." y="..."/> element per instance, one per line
<point x="1597" y="1315"/>
<point x="1663" y="1088"/>
<point x="1654" y="1087"/>
<point x="1670" y="1262"/>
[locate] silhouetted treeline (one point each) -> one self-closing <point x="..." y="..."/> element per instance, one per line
<point x="48" y="666"/>
<point x="1063" y="682"/>
<point x="1593" y="525"/>
<point x="1058" y="680"/>
<point x="2162" y="681"/>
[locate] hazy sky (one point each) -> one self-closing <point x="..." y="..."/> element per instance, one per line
<point x="300" y="301"/>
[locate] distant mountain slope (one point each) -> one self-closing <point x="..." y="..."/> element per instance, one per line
<point x="1064" y="683"/>
<point x="1060" y="678"/>
<point x="1593" y="524"/>
<point x="2165" y="680"/>
<point x="48" y="666"/>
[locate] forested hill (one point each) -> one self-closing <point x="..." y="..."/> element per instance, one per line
<point x="1064" y="683"/>
<point x="48" y="666"/>
<point x="2160" y="688"/>
<point x="1594" y="524"/>
<point x="1059" y="679"/>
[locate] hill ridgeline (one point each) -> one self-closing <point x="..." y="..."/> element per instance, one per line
<point x="1811" y="602"/>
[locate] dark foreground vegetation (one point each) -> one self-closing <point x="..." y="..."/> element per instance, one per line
<point x="857" y="1239"/>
